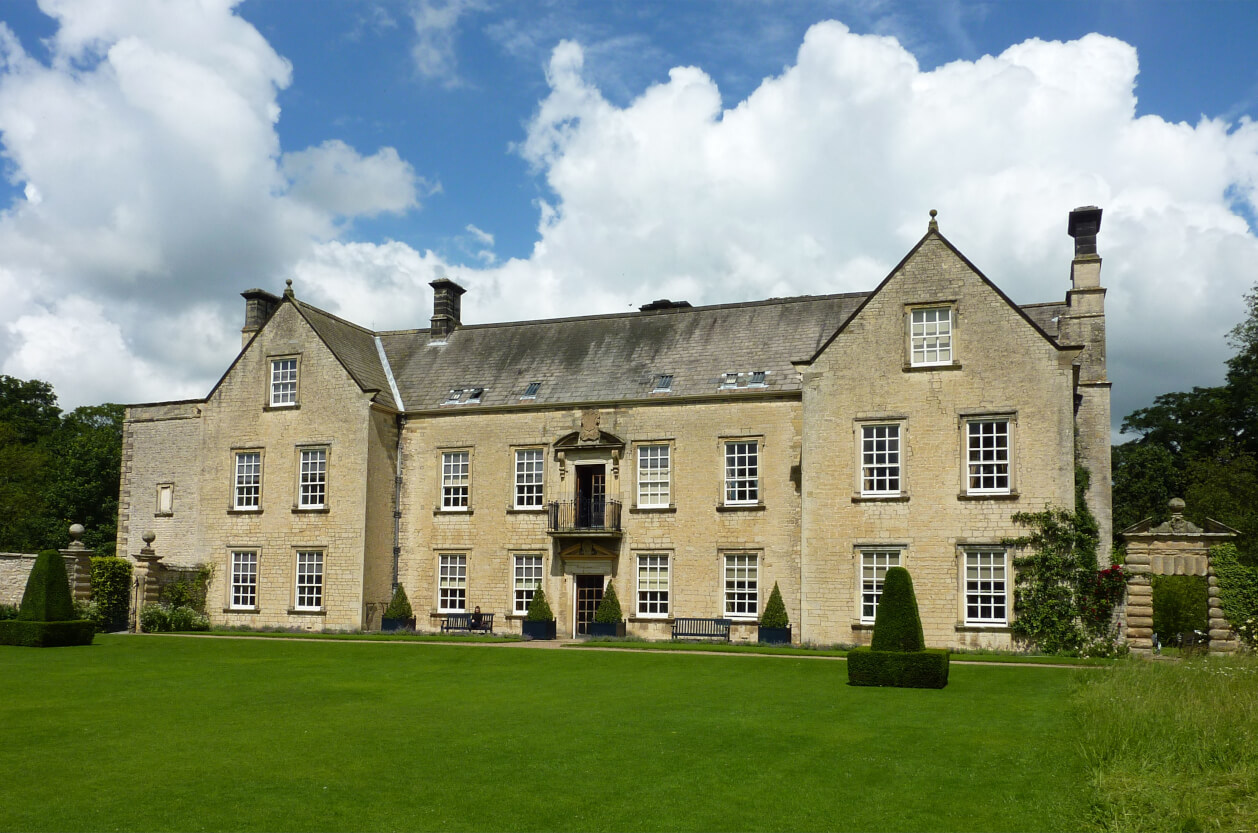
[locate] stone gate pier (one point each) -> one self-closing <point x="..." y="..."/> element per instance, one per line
<point x="1177" y="547"/>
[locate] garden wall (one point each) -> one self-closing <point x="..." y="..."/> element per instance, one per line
<point x="15" y="568"/>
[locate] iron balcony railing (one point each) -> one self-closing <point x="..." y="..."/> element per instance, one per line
<point x="583" y="516"/>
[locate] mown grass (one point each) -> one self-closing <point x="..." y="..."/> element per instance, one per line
<point x="1172" y="746"/>
<point x="172" y="733"/>
<point x="392" y="636"/>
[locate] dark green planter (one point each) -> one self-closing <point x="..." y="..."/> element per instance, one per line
<point x="607" y="628"/>
<point x="538" y="630"/>
<point x="387" y="624"/>
<point x="774" y="636"/>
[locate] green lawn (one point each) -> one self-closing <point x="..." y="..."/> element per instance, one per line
<point x="144" y="733"/>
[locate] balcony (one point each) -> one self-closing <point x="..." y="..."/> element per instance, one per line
<point x="586" y="517"/>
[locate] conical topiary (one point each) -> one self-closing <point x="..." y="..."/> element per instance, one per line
<point x="774" y="615"/>
<point x="400" y="607"/>
<point x="46" y="618"/>
<point x="608" y="611"/>
<point x="47" y="596"/>
<point x="897" y="625"/>
<point x="539" y="609"/>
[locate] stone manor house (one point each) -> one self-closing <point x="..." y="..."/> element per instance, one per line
<point x="694" y="456"/>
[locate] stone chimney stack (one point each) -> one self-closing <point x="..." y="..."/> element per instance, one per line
<point x="446" y="307"/>
<point x="1083" y="324"/>
<point x="259" y="307"/>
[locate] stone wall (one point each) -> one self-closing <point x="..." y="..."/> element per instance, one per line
<point x="15" y="569"/>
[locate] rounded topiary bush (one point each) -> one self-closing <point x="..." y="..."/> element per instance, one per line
<point x="608" y="610"/>
<point x="400" y="607"/>
<point x="775" y="611"/>
<point x="897" y="625"/>
<point x="539" y="608"/>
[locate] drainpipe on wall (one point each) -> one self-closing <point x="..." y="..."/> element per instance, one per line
<point x="397" y="504"/>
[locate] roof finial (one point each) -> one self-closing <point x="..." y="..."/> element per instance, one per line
<point x="288" y="288"/>
<point x="934" y="226"/>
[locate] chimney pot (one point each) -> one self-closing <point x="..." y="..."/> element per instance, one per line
<point x="1084" y="225"/>
<point x="260" y="305"/>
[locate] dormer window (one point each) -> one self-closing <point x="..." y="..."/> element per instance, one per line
<point x="531" y="391"/>
<point x="474" y="395"/>
<point x="729" y="380"/>
<point x="663" y="383"/>
<point x="757" y="379"/>
<point x="455" y="395"/>
<point x="284" y="382"/>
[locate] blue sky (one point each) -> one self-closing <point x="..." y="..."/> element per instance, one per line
<point x="554" y="159"/>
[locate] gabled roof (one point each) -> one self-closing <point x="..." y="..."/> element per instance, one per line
<point x="354" y="347"/>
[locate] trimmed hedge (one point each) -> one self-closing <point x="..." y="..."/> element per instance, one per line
<point x="539" y="608"/>
<point x="111" y="591"/>
<point x="903" y="669"/>
<point x="47" y="597"/>
<point x="46" y="634"/>
<point x="897" y="625"/>
<point x="608" y="611"/>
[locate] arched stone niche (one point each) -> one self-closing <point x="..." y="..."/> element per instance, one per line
<point x="1177" y="547"/>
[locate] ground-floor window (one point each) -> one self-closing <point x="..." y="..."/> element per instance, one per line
<point x="528" y="577"/>
<point x="986" y="587"/>
<point x="874" y="565"/>
<point x="309" y="580"/>
<point x="452" y="584"/>
<point x="742" y="585"/>
<point x="652" y="585"/>
<point x="244" y="586"/>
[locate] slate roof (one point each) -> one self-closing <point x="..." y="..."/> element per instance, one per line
<point x="618" y="357"/>
<point x="354" y="346"/>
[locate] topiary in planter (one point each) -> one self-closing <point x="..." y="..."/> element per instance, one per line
<point x="46" y="617"/>
<point x="897" y="625"/>
<point x="775" y="626"/>
<point x="608" y="620"/>
<point x="398" y="614"/>
<point x="897" y="655"/>
<point x="539" y="622"/>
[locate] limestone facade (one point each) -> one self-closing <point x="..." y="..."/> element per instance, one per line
<point x="693" y="456"/>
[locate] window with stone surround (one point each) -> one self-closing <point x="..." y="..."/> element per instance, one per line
<point x="452" y="583"/>
<point x="880" y="460"/>
<point x="312" y="482"/>
<point x="284" y="382"/>
<point x="244" y="579"/>
<point x="986" y="586"/>
<point x="654" y="476"/>
<point x="527" y="578"/>
<point x="247" y="483"/>
<point x="165" y="499"/>
<point x="742" y="585"/>
<point x="653" y="585"/>
<point x="309" y="580"/>
<point x="930" y="336"/>
<point x="456" y="480"/>
<point x="987" y="456"/>
<point x="742" y="472"/>
<point x="528" y="478"/>
<point x="873" y="570"/>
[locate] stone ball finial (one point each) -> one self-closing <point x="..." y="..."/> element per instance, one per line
<point x="934" y="226"/>
<point x="289" y="283"/>
<point x="148" y="538"/>
<point x="76" y="532"/>
<point x="933" y="214"/>
<point x="1176" y="505"/>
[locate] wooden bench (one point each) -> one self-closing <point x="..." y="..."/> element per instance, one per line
<point x="462" y="623"/>
<point x="689" y="628"/>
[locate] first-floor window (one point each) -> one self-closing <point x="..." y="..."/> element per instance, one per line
<point x="652" y="585"/>
<point x="248" y="488"/>
<point x="528" y="577"/>
<point x="653" y="475"/>
<point x="985" y="587"/>
<point x="987" y="456"/>
<point x="244" y="586"/>
<point x="528" y="478"/>
<point x="742" y="593"/>
<point x="874" y="564"/>
<point x="313" y="488"/>
<point x="309" y="580"/>
<point x="880" y="459"/>
<point x="455" y="480"/>
<point x="742" y="472"/>
<point x="452" y="584"/>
